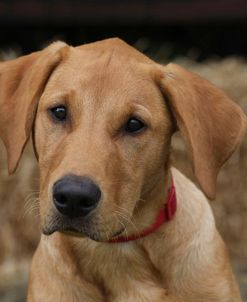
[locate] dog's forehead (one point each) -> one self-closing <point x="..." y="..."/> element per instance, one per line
<point x="111" y="55"/>
<point x="103" y="68"/>
<point x="105" y="58"/>
<point x="113" y="47"/>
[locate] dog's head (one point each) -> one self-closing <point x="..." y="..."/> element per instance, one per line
<point x="102" y="116"/>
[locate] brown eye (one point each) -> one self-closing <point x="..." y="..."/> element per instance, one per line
<point x="134" y="125"/>
<point x="59" y="113"/>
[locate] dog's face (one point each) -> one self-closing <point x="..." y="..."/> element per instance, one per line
<point x="103" y="115"/>
<point x="101" y="133"/>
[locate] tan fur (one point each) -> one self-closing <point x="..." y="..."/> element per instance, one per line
<point x="104" y="84"/>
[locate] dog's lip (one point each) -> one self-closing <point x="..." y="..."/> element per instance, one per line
<point x="72" y="232"/>
<point x="119" y="232"/>
<point x="48" y="232"/>
<point x="65" y="230"/>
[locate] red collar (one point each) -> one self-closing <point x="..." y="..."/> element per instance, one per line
<point x="165" y="214"/>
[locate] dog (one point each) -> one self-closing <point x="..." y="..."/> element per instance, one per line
<point x="118" y="222"/>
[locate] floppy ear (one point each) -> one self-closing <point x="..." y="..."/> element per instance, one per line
<point x="22" y="82"/>
<point x="211" y="124"/>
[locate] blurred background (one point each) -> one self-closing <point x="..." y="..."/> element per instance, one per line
<point x="205" y="36"/>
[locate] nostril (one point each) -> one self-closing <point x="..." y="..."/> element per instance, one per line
<point x="86" y="203"/>
<point x="61" y="199"/>
<point x="63" y="204"/>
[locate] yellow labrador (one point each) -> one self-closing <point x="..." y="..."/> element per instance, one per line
<point x="119" y="224"/>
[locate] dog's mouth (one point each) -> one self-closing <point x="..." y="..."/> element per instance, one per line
<point x="62" y="229"/>
<point x="69" y="230"/>
<point x="118" y="233"/>
<point x="72" y="232"/>
<point x="75" y="229"/>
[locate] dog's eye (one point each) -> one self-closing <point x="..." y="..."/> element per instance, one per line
<point x="59" y="113"/>
<point x="134" y="125"/>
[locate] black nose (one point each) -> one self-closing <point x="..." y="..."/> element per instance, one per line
<point x="75" y="196"/>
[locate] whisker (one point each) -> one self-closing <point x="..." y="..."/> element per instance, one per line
<point x="31" y="204"/>
<point x="124" y="214"/>
<point x="106" y="228"/>
<point x="130" y="218"/>
<point x="117" y="214"/>
<point x="142" y="200"/>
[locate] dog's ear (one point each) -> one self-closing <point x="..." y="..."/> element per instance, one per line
<point x="211" y="124"/>
<point x="22" y="82"/>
